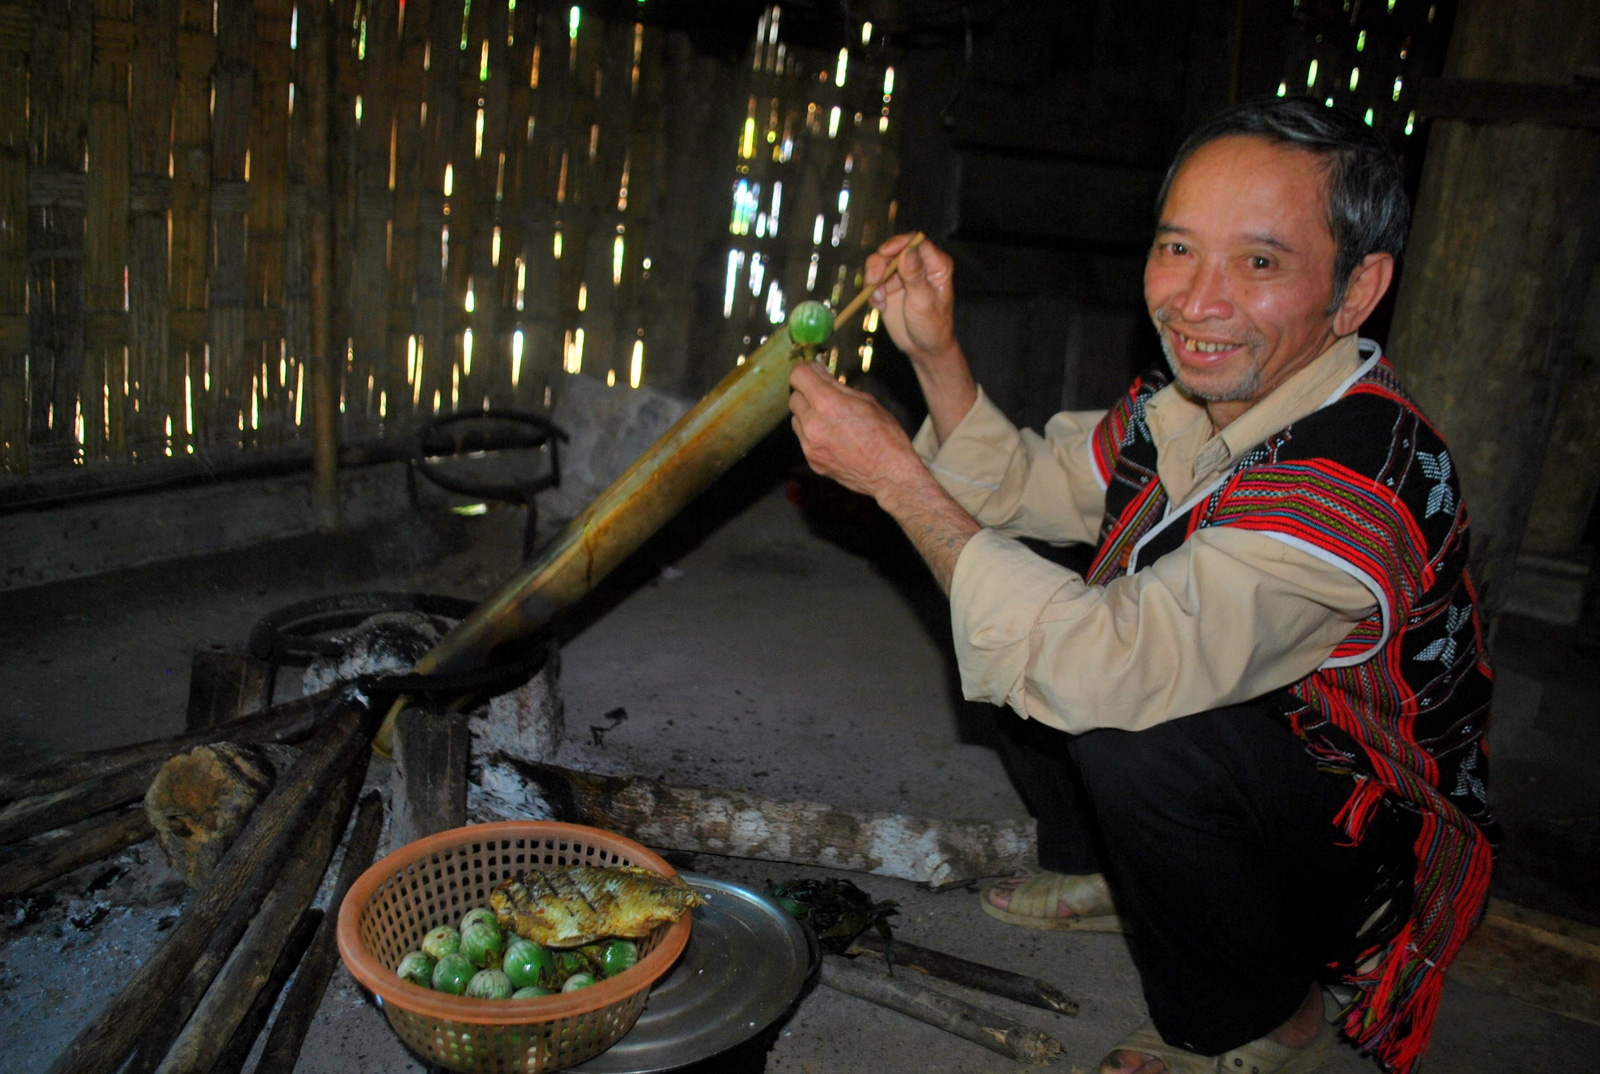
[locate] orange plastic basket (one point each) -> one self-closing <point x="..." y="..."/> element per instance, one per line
<point x="433" y="882"/>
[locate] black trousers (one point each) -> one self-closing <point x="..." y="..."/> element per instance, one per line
<point x="1216" y="833"/>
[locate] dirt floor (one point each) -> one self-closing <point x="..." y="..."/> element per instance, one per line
<point x="756" y="646"/>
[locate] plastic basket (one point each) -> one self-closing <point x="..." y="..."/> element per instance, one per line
<point x="433" y="882"/>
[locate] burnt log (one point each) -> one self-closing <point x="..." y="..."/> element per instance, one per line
<point x="282" y="1050"/>
<point x="291" y="722"/>
<point x="241" y="882"/>
<point x="221" y="987"/>
<point x="46" y="812"/>
<point x="989" y="1028"/>
<point x="26" y="867"/>
<point x="200" y="801"/>
<point x="243" y="1042"/>
<point x="975" y="975"/>
<point x="930" y="851"/>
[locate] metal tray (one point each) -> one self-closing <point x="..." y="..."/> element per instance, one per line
<point x="744" y="966"/>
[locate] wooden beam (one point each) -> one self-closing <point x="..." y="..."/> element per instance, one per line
<point x="1535" y="957"/>
<point x="1483" y="101"/>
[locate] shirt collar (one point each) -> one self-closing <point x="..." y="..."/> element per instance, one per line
<point x="1179" y="425"/>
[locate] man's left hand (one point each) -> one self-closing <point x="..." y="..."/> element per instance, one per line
<point x="846" y="434"/>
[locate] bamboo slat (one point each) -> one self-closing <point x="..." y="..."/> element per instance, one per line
<point x="196" y="232"/>
<point x="16" y="38"/>
<point x="106" y="229"/>
<point x="152" y="81"/>
<point x="58" y="114"/>
<point x="374" y="207"/>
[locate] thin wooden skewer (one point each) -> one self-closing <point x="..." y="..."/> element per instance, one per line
<point x="894" y="266"/>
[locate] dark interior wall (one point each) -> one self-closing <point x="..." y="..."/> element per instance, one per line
<point x="1035" y="158"/>
<point x="1034" y="154"/>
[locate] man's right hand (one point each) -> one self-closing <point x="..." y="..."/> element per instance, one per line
<point x="917" y="304"/>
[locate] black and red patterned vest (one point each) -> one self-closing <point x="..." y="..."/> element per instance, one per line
<point x="1402" y="704"/>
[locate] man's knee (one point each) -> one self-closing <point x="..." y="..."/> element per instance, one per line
<point x="1132" y="769"/>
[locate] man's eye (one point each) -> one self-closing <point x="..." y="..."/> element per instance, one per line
<point x="1259" y="262"/>
<point x="1177" y="248"/>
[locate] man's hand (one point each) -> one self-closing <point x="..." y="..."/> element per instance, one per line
<point x="847" y="436"/>
<point x="918" y="304"/>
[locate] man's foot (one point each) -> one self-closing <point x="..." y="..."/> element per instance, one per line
<point x="1303" y="1029"/>
<point x="1047" y="900"/>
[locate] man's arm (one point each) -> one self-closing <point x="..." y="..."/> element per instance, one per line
<point x="917" y="304"/>
<point x="847" y="436"/>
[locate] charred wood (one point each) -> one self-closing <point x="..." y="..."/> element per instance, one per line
<point x="226" y="903"/>
<point x="46" y="812"/>
<point x="26" y="867"/>
<point x="238" y="1050"/>
<point x="975" y="975"/>
<point x="288" y="1033"/>
<point x="989" y="1028"/>
<point x="291" y="722"/>
<point x="211" y="1002"/>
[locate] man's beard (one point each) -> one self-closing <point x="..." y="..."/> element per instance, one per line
<point x="1246" y="389"/>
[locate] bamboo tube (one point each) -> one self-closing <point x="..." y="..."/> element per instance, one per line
<point x="732" y="418"/>
<point x="241" y="881"/>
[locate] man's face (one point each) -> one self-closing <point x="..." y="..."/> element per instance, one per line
<point x="1240" y="275"/>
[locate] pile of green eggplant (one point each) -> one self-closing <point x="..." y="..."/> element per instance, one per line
<point x="478" y="959"/>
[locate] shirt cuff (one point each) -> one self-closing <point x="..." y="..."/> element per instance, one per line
<point x="997" y="593"/>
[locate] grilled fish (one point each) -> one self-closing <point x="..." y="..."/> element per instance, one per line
<point x="572" y="905"/>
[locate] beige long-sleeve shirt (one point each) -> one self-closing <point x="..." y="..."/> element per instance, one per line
<point x="1229" y="616"/>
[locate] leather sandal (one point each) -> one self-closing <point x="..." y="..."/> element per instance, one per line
<point x="1033" y="903"/>
<point x="1263" y="1056"/>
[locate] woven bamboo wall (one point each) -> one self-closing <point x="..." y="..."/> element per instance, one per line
<point x="517" y="191"/>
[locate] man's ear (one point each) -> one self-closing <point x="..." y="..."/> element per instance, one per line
<point x="1368" y="284"/>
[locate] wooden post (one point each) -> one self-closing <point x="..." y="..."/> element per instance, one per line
<point x="430" y="774"/>
<point x="1497" y="267"/>
<point x="314" y="85"/>
<point x="225" y="683"/>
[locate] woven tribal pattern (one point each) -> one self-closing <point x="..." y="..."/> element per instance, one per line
<point x="1402" y="704"/>
<point x="1135" y="498"/>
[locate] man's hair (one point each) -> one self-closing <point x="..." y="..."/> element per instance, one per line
<point x="1367" y="208"/>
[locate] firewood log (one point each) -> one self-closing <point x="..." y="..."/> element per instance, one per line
<point x="243" y="879"/>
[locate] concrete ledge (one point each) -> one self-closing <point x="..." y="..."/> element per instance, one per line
<point x="90" y="538"/>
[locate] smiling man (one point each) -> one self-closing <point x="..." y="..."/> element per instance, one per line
<point x="1260" y="714"/>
